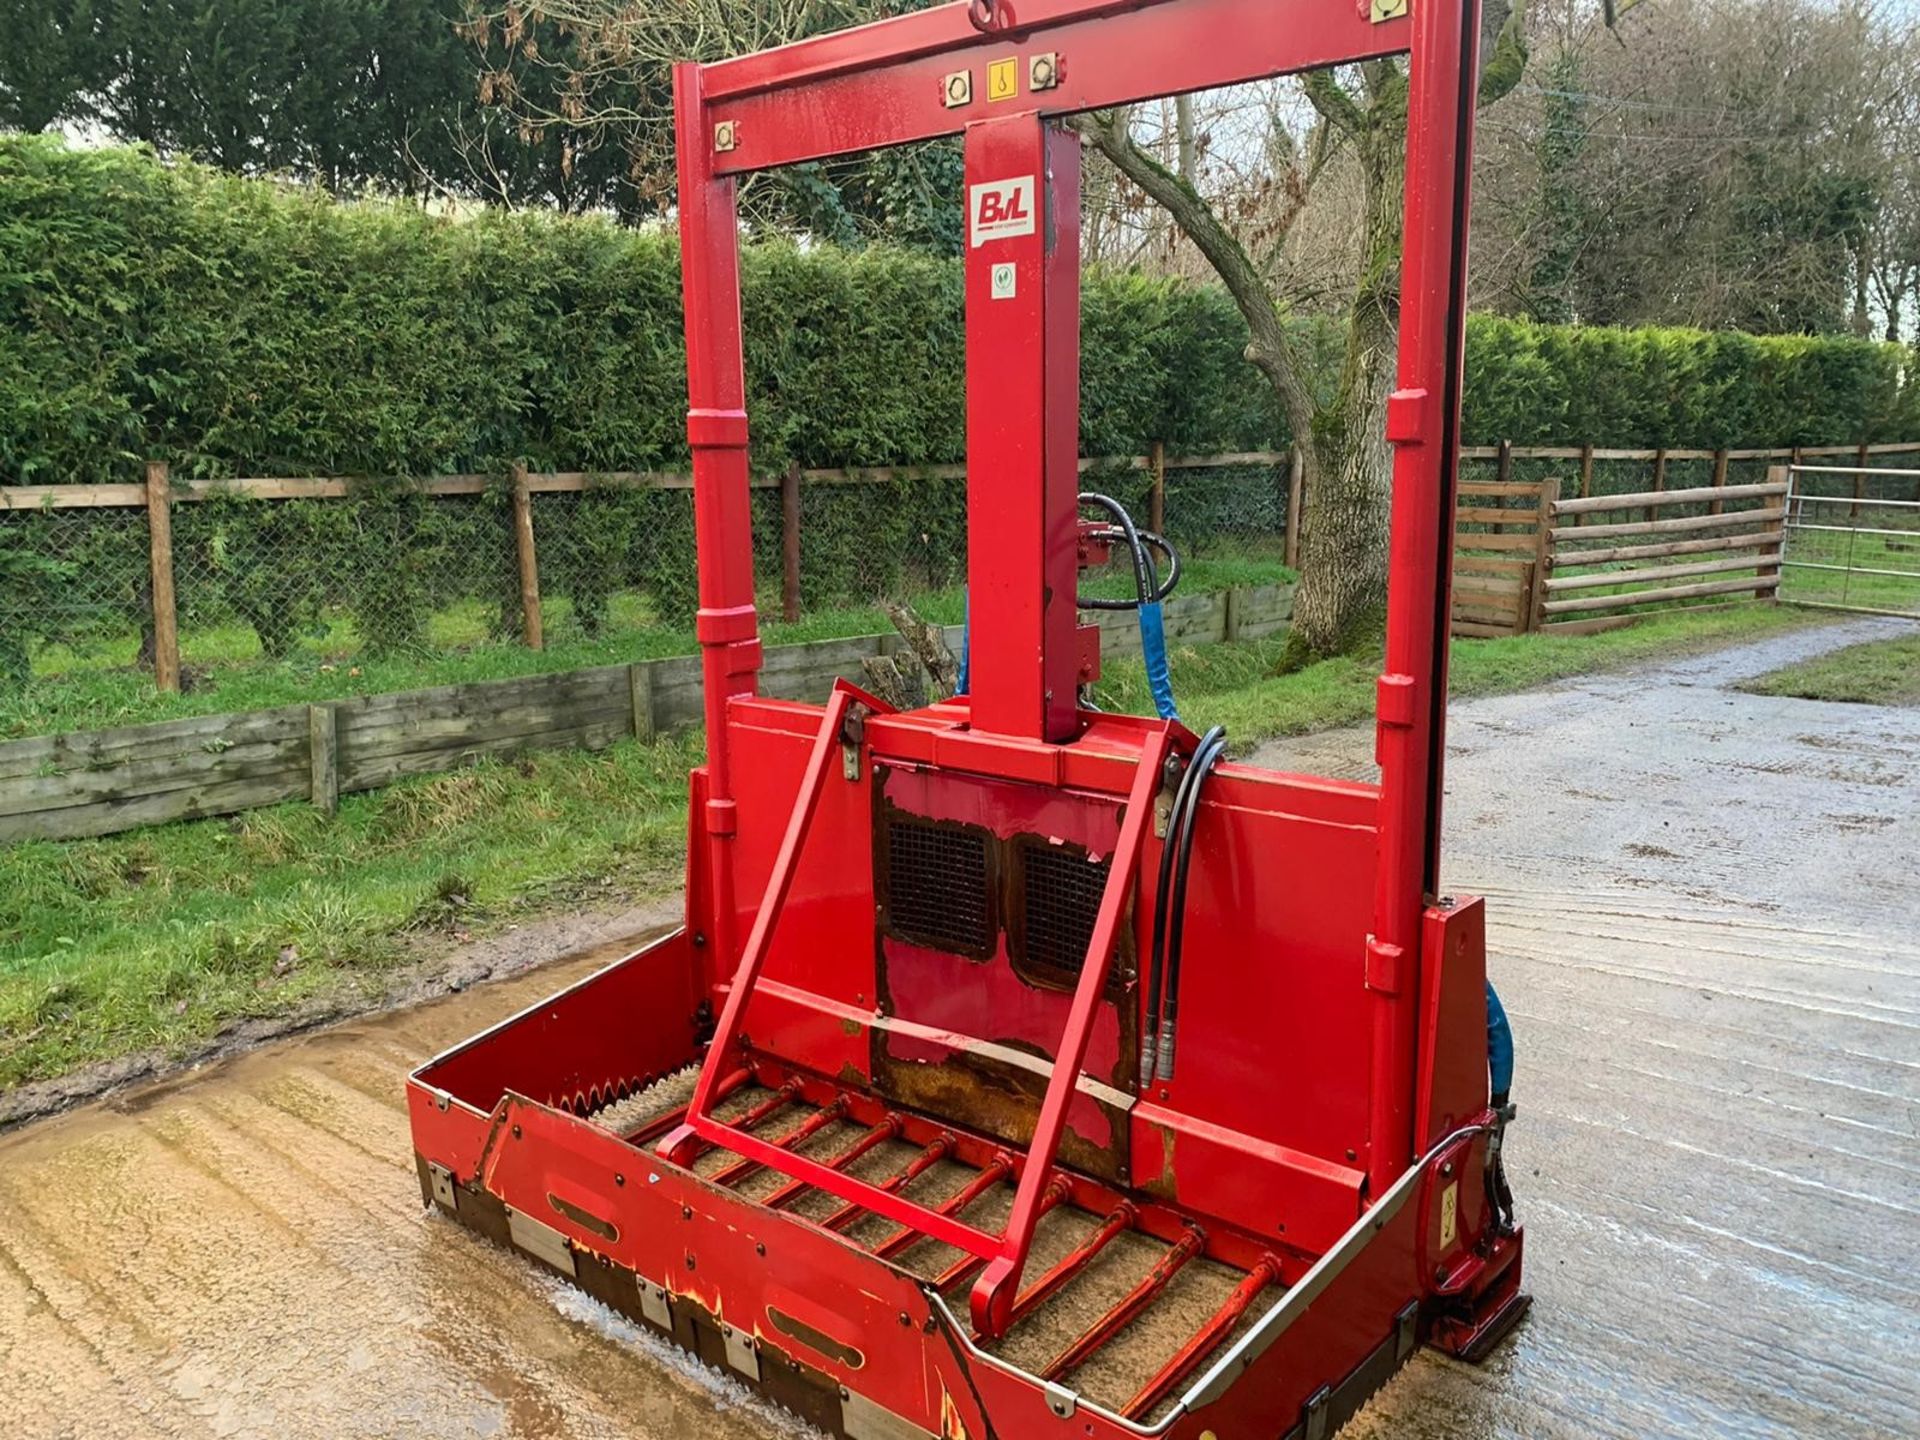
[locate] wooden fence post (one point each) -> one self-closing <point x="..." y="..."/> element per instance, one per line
<point x="640" y="686"/>
<point x="1659" y="479"/>
<point x="1859" y="481"/>
<point x="1506" y="462"/>
<point x="1719" y="507"/>
<point x="790" y="542"/>
<point x="166" y="620"/>
<point x="1776" y="475"/>
<point x="1157" y="496"/>
<point x="1586" y="470"/>
<point x="1296" y="482"/>
<point x="1542" y="555"/>
<point x="323" y="748"/>
<point x="530" y="627"/>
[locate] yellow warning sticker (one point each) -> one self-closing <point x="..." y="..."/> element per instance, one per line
<point x="1449" y="1214"/>
<point x="1003" y="78"/>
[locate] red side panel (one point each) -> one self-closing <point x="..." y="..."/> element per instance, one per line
<point x="823" y="943"/>
<point x="1273" y="1018"/>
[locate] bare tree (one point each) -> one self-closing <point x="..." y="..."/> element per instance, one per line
<point x="1738" y="165"/>
<point x="1357" y="128"/>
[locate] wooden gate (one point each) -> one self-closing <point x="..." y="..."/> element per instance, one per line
<point x="1500" y="545"/>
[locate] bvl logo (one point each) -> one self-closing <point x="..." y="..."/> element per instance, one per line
<point x="1001" y="209"/>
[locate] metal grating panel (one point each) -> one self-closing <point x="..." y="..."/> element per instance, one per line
<point x="1060" y="898"/>
<point x="937" y="887"/>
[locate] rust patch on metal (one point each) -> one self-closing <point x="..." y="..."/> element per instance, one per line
<point x="1002" y="1101"/>
<point x="1163" y="1186"/>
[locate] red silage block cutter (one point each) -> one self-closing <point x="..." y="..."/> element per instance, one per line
<point x="943" y="1169"/>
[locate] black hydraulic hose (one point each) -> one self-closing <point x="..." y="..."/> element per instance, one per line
<point x="1164" y="917"/>
<point x="1150" y="1037"/>
<point x="1147" y="584"/>
<point x="1151" y="540"/>
<point x="1203" y="762"/>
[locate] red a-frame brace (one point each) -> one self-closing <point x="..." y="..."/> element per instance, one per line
<point x="928" y="924"/>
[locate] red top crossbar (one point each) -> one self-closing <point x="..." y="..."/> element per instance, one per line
<point x="886" y="83"/>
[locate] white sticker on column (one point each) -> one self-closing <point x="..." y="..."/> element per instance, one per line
<point x="1000" y="209"/>
<point x="1003" y="281"/>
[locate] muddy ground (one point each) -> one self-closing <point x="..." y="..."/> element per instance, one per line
<point x="1702" y="906"/>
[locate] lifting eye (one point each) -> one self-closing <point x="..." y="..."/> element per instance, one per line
<point x="986" y="16"/>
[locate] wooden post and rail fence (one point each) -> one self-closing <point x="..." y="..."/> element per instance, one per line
<point x="1510" y="536"/>
<point x="1531" y="556"/>
<point x="159" y="491"/>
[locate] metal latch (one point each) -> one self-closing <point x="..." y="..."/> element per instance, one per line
<point x="853" y="734"/>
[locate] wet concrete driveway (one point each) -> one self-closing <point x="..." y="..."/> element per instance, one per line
<point x="1702" y="908"/>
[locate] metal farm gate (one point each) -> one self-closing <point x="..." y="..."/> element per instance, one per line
<point x="1852" y="539"/>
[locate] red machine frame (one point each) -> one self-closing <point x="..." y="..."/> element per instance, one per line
<point x="1379" y="1241"/>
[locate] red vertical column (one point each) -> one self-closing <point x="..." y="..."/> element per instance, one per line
<point x="1023" y="425"/>
<point x="1423" y="426"/>
<point x="723" y="519"/>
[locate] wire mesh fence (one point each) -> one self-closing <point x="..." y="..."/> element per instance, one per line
<point x="328" y="573"/>
<point x="390" y="571"/>
<point x="75" y="590"/>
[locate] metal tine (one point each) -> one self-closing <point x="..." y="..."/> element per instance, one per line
<point x="933" y="1154"/>
<point x="964" y="1267"/>
<point x="778" y="1100"/>
<point x="879" y="1134"/>
<point x="1187" y="1359"/>
<point x="805" y="1130"/>
<point x="991" y="1174"/>
<point x="1120" y="1220"/>
<point x="1130" y="1306"/>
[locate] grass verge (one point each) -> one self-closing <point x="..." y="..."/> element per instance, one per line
<point x="160" y="938"/>
<point x="1880" y="672"/>
<point x="1236" y="685"/>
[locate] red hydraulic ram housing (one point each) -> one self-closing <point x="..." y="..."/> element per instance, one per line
<point x="894" y="1126"/>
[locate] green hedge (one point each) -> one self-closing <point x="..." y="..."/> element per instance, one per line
<point x="230" y="326"/>
<point x="235" y="326"/>
<point x="1565" y="384"/>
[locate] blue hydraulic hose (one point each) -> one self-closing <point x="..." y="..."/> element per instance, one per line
<point x="1153" y="646"/>
<point x="1499" y="1048"/>
<point x="966" y="620"/>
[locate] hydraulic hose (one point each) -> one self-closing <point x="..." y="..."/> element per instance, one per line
<point x="1203" y="764"/>
<point x="1499" y="1049"/>
<point x="1149" y="591"/>
<point x="1500" y="1086"/>
<point x="966" y="633"/>
<point x="1146" y="583"/>
<point x="1149" y="540"/>
<point x="1154" y="1042"/>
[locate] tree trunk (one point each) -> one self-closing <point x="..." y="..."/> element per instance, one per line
<point x="1343" y="554"/>
<point x="1343" y="523"/>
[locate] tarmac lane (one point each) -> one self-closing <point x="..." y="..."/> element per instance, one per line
<point x="1701" y="919"/>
